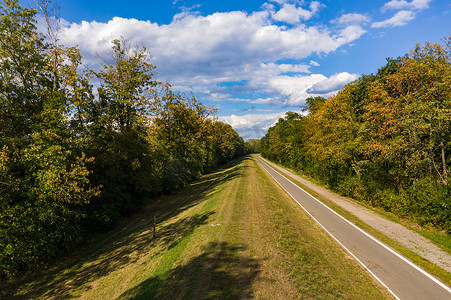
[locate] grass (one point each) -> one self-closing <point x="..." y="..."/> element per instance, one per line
<point x="233" y="234"/>
<point x="438" y="238"/>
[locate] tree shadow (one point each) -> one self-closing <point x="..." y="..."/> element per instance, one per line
<point x="172" y="234"/>
<point x="127" y="243"/>
<point x="220" y="272"/>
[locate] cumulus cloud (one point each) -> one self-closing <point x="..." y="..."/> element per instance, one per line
<point x="199" y="52"/>
<point x="405" y="14"/>
<point x="401" y="18"/>
<point x="333" y="83"/>
<point x="205" y="43"/>
<point x="402" y="4"/>
<point x="291" y="14"/>
<point x="252" y="125"/>
<point x="350" y="33"/>
<point x="287" y="90"/>
<point x="224" y="54"/>
<point x="352" y="18"/>
<point x="295" y="89"/>
<point x="294" y="68"/>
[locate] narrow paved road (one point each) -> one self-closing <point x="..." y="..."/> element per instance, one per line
<point x="401" y="277"/>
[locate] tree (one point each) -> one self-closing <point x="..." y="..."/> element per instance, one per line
<point x="45" y="183"/>
<point x="313" y="103"/>
<point x="127" y="87"/>
<point x="181" y="133"/>
<point x="117" y="134"/>
<point x="422" y="84"/>
<point x="252" y="145"/>
<point x="384" y="138"/>
<point x="73" y="161"/>
<point x="23" y="77"/>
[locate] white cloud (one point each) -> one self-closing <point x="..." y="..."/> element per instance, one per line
<point x="314" y="63"/>
<point x="250" y="119"/>
<point x="294" y="68"/>
<point x="201" y="53"/>
<point x="333" y="83"/>
<point x="286" y="90"/>
<point x="315" y="6"/>
<point x="186" y="12"/>
<point x="295" y="89"/>
<point x="401" y="18"/>
<point x="268" y="100"/>
<point x="350" y="33"/>
<point x="402" y="4"/>
<point x="252" y="125"/>
<point x="405" y="14"/>
<point x="352" y="18"/>
<point x="291" y="14"/>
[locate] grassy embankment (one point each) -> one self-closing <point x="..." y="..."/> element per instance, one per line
<point x="234" y="234"/>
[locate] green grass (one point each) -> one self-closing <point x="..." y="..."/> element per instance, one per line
<point x="417" y="259"/>
<point x="233" y="234"/>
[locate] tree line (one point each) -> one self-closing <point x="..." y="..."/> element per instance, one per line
<point x="74" y="156"/>
<point x="384" y="139"/>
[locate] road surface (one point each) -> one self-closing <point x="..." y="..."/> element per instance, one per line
<point x="401" y="277"/>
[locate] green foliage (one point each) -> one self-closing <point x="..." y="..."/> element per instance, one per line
<point x="188" y="141"/>
<point x="283" y="141"/>
<point x="44" y="183"/>
<point x="41" y="202"/>
<point x="313" y="103"/>
<point x="383" y="139"/>
<point x="126" y="87"/>
<point x="252" y="145"/>
<point x="73" y="161"/>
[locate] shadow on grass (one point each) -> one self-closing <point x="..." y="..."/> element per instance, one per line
<point x="132" y="239"/>
<point x="218" y="273"/>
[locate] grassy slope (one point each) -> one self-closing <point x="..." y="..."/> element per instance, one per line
<point x="234" y="234"/>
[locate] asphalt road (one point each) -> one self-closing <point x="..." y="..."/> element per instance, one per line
<point x="401" y="277"/>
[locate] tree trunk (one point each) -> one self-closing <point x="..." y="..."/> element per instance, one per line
<point x="442" y="148"/>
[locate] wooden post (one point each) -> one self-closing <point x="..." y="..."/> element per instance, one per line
<point x="154" y="218"/>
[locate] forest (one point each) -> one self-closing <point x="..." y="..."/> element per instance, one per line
<point x="384" y="139"/>
<point x="80" y="148"/>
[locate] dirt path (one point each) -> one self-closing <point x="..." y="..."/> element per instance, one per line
<point x="406" y="237"/>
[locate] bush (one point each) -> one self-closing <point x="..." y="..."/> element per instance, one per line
<point x="431" y="203"/>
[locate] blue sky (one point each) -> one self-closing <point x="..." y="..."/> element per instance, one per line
<point x="255" y="60"/>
